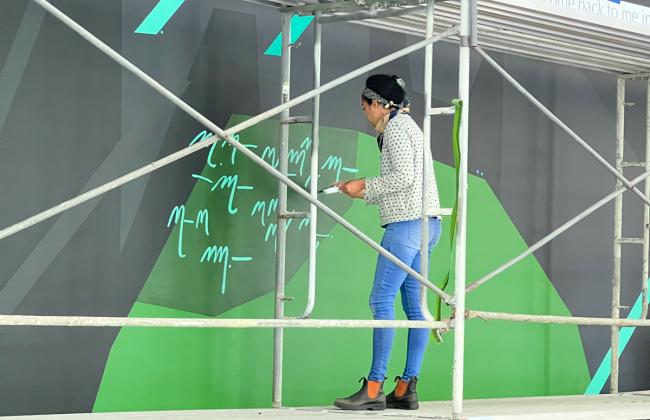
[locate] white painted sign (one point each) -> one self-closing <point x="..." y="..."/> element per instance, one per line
<point x="623" y="16"/>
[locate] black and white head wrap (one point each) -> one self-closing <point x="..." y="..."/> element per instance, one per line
<point x="372" y="95"/>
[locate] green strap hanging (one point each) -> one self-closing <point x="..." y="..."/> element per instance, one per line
<point x="458" y="105"/>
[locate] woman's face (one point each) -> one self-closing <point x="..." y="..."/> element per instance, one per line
<point x="374" y="112"/>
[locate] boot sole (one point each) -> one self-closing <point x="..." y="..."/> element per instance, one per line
<point x="405" y="405"/>
<point x="365" y="407"/>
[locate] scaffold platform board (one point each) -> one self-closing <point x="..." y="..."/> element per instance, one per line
<point x="633" y="405"/>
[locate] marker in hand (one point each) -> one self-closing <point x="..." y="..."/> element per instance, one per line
<point x="332" y="189"/>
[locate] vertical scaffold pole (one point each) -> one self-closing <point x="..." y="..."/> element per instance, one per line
<point x="426" y="130"/>
<point x="646" y="212"/>
<point x="466" y="12"/>
<point x="281" y="233"/>
<point x="618" y="228"/>
<point x="313" y="186"/>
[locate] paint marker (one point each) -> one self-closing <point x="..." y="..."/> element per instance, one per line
<point x="330" y="190"/>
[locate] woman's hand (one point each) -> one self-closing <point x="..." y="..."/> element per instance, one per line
<point x="355" y="188"/>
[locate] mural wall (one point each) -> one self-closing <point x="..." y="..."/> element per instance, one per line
<point x="197" y="238"/>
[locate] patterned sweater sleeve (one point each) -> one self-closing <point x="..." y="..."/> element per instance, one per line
<point x="399" y="147"/>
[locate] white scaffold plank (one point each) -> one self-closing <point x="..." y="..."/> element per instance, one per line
<point x="632" y="405"/>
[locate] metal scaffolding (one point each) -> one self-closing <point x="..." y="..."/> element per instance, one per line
<point x="461" y="21"/>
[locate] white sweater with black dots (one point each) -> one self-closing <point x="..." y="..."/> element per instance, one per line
<point x="398" y="188"/>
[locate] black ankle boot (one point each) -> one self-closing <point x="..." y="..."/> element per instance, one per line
<point x="408" y="401"/>
<point x="361" y="400"/>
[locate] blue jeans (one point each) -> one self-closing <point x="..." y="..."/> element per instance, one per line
<point x="403" y="240"/>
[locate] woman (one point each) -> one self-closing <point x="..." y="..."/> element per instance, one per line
<point x="398" y="193"/>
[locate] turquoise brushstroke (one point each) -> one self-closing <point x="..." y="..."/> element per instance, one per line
<point x="298" y="26"/>
<point x="605" y="369"/>
<point x="159" y="16"/>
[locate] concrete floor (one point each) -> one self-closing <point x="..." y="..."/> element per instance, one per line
<point x="633" y="405"/>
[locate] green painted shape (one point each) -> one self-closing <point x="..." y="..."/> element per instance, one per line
<point x="159" y="369"/>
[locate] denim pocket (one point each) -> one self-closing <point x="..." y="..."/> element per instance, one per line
<point x="415" y="232"/>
